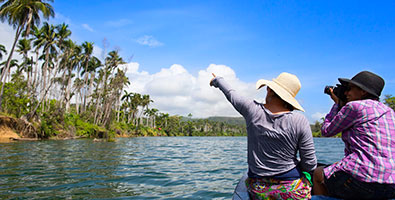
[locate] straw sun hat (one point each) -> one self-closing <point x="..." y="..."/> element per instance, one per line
<point x="286" y="86"/>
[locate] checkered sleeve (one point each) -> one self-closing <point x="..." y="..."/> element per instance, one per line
<point x="335" y="122"/>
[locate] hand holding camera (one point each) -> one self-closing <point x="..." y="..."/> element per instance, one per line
<point x="337" y="93"/>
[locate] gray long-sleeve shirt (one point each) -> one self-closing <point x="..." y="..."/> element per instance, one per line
<point x="273" y="139"/>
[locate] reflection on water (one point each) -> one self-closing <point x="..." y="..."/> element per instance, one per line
<point x="131" y="168"/>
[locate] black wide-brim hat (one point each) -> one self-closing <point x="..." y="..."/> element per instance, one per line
<point x="368" y="81"/>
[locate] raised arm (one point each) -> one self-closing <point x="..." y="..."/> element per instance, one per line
<point x="243" y="105"/>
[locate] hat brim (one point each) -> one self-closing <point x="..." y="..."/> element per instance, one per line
<point x="345" y="81"/>
<point x="281" y="92"/>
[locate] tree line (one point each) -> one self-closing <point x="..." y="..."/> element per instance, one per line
<point x="61" y="88"/>
<point x="64" y="90"/>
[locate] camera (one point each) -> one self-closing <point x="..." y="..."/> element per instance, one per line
<point x="338" y="90"/>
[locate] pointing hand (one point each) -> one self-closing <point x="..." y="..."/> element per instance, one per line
<point x="211" y="82"/>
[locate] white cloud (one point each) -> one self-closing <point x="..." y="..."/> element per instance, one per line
<point x="148" y="40"/>
<point x="98" y="52"/>
<point x="7" y="37"/>
<point x="177" y="92"/>
<point x="317" y="116"/>
<point x="87" y="27"/>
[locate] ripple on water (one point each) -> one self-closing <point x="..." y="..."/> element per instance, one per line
<point x="131" y="168"/>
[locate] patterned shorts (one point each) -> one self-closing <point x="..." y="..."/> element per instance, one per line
<point x="267" y="188"/>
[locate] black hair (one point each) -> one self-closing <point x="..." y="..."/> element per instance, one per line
<point x="286" y="104"/>
<point x="368" y="95"/>
<point x="371" y="96"/>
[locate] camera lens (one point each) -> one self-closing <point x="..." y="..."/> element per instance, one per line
<point x="327" y="90"/>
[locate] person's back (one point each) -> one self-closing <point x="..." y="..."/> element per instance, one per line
<point x="274" y="139"/>
<point x="276" y="134"/>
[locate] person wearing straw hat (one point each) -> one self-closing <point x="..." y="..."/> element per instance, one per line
<point x="276" y="133"/>
<point x="367" y="170"/>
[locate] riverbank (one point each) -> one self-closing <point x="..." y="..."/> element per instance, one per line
<point x="73" y="127"/>
<point x="7" y="133"/>
<point x="11" y="128"/>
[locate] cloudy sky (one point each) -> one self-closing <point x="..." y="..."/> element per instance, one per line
<point x="173" y="46"/>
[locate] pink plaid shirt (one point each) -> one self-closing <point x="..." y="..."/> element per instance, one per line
<point x="368" y="132"/>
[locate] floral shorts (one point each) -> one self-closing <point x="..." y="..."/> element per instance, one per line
<point x="267" y="188"/>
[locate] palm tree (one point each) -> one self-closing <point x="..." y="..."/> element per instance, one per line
<point x="47" y="41"/>
<point x="69" y="61"/>
<point x="63" y="33"/>
<point x="127" y="96"/>
<point x="112" y="61"/>
<point x="88" y="50"/>
<point x="63" y="60"/>
<point x="23" y="47"/>
<point x="78" y="84"/>
<point x="94" y="65"/>
<point x="145" y="101"/>
<point x="119" y="82"/>
<point x="98" y="93"/>
<point x="134" y="104"/>
<point x="13" y="63"/>
<point x="36" y="33"/>
<point x="151" y="114"/>
<point x="22" y="15"/>
<point x="165" y="117"/>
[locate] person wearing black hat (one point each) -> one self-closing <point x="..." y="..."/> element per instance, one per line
<point x="367" y="170"/>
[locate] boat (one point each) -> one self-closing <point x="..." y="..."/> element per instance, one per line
<point x="241" y="192"/>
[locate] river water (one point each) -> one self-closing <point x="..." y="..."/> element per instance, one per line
<point x="131" y="168"/>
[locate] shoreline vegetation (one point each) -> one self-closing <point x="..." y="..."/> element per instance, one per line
<point x="73" y="127"/>
<point x="57" y="88"/>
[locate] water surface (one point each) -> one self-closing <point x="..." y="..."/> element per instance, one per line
<point x="131" y="168"/>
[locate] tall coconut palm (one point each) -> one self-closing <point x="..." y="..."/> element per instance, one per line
<point x="23" y="47"/>
<point x="98" y="93"/>
<point x="13" y="63"/>
<point x="145" y="101"/>
<point x="36" y="34"/>
<point x="63" y="33"/>
<point x="94" y="65"/>
<point x="151" y="113"/>
<point x="119" y="82"/>
<point x="135" y="103"/>
<point x="88" y="50"/>
<point x="70" y="61"/>
<point x="112" y="61"/>
<point x="47" y="41"/>
<point x="22" y="15"/>
<point x="127" y="96"/>
<point x="78" y="84"/>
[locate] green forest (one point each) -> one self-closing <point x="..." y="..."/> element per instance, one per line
<point x="64" y="91"/>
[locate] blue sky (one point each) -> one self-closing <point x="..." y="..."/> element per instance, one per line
<point x="173" y="46"/>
